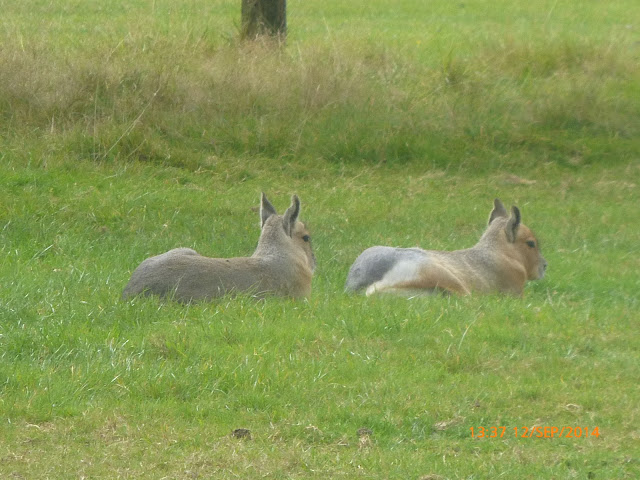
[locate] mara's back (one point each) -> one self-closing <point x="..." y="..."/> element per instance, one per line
<point x="184" y="275"/>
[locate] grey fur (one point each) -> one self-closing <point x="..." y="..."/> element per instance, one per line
<point x="282" y="264"/>
<point x="498" y="211"/>
<point x="372" y="264"/>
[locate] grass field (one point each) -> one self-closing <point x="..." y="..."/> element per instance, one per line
<point x="129" y="128"/>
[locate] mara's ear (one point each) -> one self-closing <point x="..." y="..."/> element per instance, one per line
<point x="266" y="209"/>
<point x="498" y="210"/>
<point x="291" y="215"/>
<point x="511" y="229"/>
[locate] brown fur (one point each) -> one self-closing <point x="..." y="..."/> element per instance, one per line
<point x="504" y="259"/>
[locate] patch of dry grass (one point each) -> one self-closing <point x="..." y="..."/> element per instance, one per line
<point x="181" y="100"/>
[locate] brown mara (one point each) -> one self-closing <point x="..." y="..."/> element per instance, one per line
<point x="282" y="264"/>
<point x="504" y="259"/>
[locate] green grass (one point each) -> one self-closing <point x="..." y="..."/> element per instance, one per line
<point x="130" y="129"/>
<point x="442" y="82"/>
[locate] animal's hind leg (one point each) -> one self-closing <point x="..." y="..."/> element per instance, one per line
<point x="440" y="281"/>
<point x="444" y="282"/>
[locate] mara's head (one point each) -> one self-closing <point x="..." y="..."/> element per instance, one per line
<point x="510" y="230"/>
<point x="285" y="231"/>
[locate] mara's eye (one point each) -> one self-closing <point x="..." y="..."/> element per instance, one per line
<point x="306" y="238"/>
<point x="531" y="243"/>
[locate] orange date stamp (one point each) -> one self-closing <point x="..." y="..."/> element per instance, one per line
<point x="536" y="431"/>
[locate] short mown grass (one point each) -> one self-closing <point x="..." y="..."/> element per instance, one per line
<point x="132" y="128"/>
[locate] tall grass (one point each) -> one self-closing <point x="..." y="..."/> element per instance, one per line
<point x="183" y="96"/>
